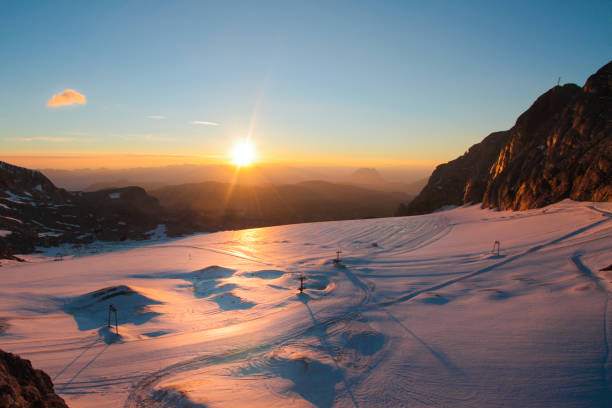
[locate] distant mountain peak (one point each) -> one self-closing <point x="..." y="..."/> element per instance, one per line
<point x="365" y="175"/>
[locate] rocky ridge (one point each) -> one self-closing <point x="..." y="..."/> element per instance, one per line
<point x="561" y="147"/>
<point x="22" y="386"/>
<point x="35" y="213"/>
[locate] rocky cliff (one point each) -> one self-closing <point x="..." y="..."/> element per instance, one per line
<point x="23" y="386"/>
<point x="561" y="147"/>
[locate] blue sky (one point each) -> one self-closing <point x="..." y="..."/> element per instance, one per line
<point x="347" y="82"/>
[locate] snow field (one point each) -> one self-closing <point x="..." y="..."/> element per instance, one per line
<point x="419" y="313"/>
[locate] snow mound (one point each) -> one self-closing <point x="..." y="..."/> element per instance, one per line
<point x="367" y="342"/>
<point x="230" y="301"/>
<point x="170" y="398"/>
<point x="4" y="325"/>
<point x="318" y="282"/>
<point x="265" y="274"/>
<point x="109" y="335"/>
<point x="208" y="281"/>
<point x="90" y="311"/>
<point x="311" y="373"/>
<point x="432" y="298"/>
<point x="495" y="293"/>
<point x="210" y="272"/>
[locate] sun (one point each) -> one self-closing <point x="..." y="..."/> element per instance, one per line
<point x="243" y="153"/>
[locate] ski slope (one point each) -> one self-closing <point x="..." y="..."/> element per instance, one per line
<point x="419" y="313"/>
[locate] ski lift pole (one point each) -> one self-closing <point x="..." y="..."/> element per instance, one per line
<point x="497" y="245"/>
<point x="113" y="309"/>
<point x="338" y="252"/>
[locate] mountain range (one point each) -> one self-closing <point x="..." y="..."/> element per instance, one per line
<point x="35" y="213"/>
<point x="239" y="206"/>
<point x="407" y="180"/>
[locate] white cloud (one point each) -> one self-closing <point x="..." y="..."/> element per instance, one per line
<point x="65" y="98"/>
<point x="203" y="122"/>
<point x="157" y="117"/>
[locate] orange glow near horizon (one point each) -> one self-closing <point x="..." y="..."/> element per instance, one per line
<point x="71" y="161"/>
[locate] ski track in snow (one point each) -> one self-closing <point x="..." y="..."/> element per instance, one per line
<point x="492" y="267"/>
<point x="588" y="273"/>
<point x="371" y="324"/>
<point x="143" y="389"/>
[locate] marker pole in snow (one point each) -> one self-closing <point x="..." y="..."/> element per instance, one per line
<point x="113" y="309"/>
<point x="337" y="260"/>
<point x="301" y="288"/>
<point x="497" y="245"/>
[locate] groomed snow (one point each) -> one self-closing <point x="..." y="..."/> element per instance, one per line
<point x="419" y="313"/>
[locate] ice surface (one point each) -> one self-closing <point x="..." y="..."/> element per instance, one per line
<point x="428" y="316"/>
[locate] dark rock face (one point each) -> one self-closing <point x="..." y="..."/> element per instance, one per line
<point x="23" y="386"/>
<point x="561" y="147"/>
<point x="459" y="181"/>
<point x="29" y="182"/>
<point x="33" y="212"/>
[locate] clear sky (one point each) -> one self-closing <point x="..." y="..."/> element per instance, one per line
<point x="359" y="82"/>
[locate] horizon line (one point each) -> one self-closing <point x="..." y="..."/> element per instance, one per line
<point x="117" y="161"/>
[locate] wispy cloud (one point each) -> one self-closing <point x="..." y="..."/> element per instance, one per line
<point x="142" y="136"/>
<point x="156" y="117"/>
<point x="65" y="98"/>
<point x="203" y="122"/>
<point x="39" y="139"/>
<point x="76" y="133"/>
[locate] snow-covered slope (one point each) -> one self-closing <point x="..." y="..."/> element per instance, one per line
<point x="419" y="313"/>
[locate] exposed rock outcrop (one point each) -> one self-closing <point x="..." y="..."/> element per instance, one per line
<point x="561" y="147"/>
<point x="459" y="181"/>
<point x="35" y="213"/>
<point x="22" y="386"/>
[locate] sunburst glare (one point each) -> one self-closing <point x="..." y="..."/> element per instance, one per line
<point x="243" y="153"/>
